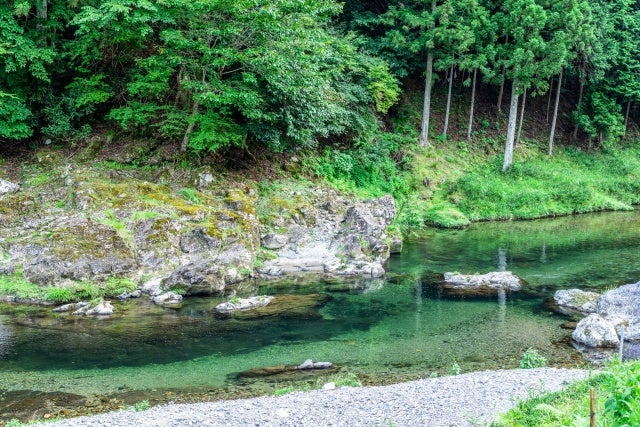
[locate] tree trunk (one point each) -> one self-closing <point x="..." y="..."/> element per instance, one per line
<point x="187" y="133"/>
<point x="41" y="9"/>
<point x="511" y="128"/>
<point x="549" y="100"/>
<point x="426" y="108"/>
<point x="499" y="105"/>
<point x="555" y="113"/>
<point x="575" y="129"/>
<point x="424" y="134"/>
<point x="626" y="119"/>
<point x="524" y="101"/>
<point x="473" y="100"/>
<point x="446" y="114"/>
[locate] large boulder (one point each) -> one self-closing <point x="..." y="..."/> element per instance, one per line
<point x="621" y="307"/>
<point x="596" y="331"/>
<point x="570" y="301"/>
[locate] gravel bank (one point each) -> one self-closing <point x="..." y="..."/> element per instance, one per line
<point x="463" y="400"/>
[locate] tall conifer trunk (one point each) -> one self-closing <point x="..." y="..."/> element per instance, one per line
<point x="446" y="115"/>
<point x="473" y="100"/>
<point x="511" y="128"/>
<point x="524" y="101"/>
<point x="426" y="108"/>
<point x="555" y="114"/>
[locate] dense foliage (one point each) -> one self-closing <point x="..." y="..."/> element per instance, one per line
<point x="286" y="74"/>
<point x="208" y="73"/>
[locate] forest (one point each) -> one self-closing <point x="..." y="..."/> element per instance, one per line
<point x="291" y="74"/>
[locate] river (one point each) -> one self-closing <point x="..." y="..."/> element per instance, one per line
<point x="394" y="329"/>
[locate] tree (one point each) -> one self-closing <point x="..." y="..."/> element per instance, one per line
<point x="222" y="73"/>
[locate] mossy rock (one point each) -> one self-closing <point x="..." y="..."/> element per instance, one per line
<point x="15" y="206"/>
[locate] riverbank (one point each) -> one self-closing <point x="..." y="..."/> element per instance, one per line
<point x="463" y="400"/>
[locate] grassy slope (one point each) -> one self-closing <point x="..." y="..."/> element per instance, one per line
<point x="455" y="181"/>
<point x="617" y="391"/>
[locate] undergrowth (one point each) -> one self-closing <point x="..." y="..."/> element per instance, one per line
<point x="15" y="285"/>
<point x="617" y="391"/>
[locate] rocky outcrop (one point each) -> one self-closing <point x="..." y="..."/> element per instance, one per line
<point x="617" y="314"/>
<point x="331" y="235"/>
<point x="242" y="304"/>
<point x="571" y="301"/>
<point x="188" y="232"/>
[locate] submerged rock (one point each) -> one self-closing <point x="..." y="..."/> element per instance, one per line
<point x="570" y="301"/>
<point x="302" y="306"/>
<point x="242" y="304"/>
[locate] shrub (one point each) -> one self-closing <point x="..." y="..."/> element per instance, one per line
<point x="532" y="359"/>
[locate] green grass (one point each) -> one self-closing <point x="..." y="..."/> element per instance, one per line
<point x="16" y="285"/>
<point x="570" y="182"/>
<point x="617" y="391"/>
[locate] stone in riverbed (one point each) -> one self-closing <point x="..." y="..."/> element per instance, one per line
<point x="167" y="299"/>
<point x="102" y="309"/>
<point x="596" y="331"/>
<point x="310" y="364"/>
<point x="481" y="284"/>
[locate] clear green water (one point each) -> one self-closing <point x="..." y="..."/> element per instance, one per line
<point x="384" y="331"/>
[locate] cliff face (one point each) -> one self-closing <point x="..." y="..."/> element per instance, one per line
<point x="188" y="230"/>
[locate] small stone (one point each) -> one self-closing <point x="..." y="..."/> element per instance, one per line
<point x="329" y="386"/>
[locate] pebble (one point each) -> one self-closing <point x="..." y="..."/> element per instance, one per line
<point x="462" y="400"/>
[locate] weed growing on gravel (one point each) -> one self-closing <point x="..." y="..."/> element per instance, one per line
<point x="532" y="359"/>
<point x="141" y="406"/>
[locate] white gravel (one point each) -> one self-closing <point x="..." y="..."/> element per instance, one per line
<point x="464" y="400"/>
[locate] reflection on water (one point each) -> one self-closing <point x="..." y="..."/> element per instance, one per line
<point x="386" y="330"/>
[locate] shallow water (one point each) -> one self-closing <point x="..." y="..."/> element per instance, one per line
<point x="383" y="330"/>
